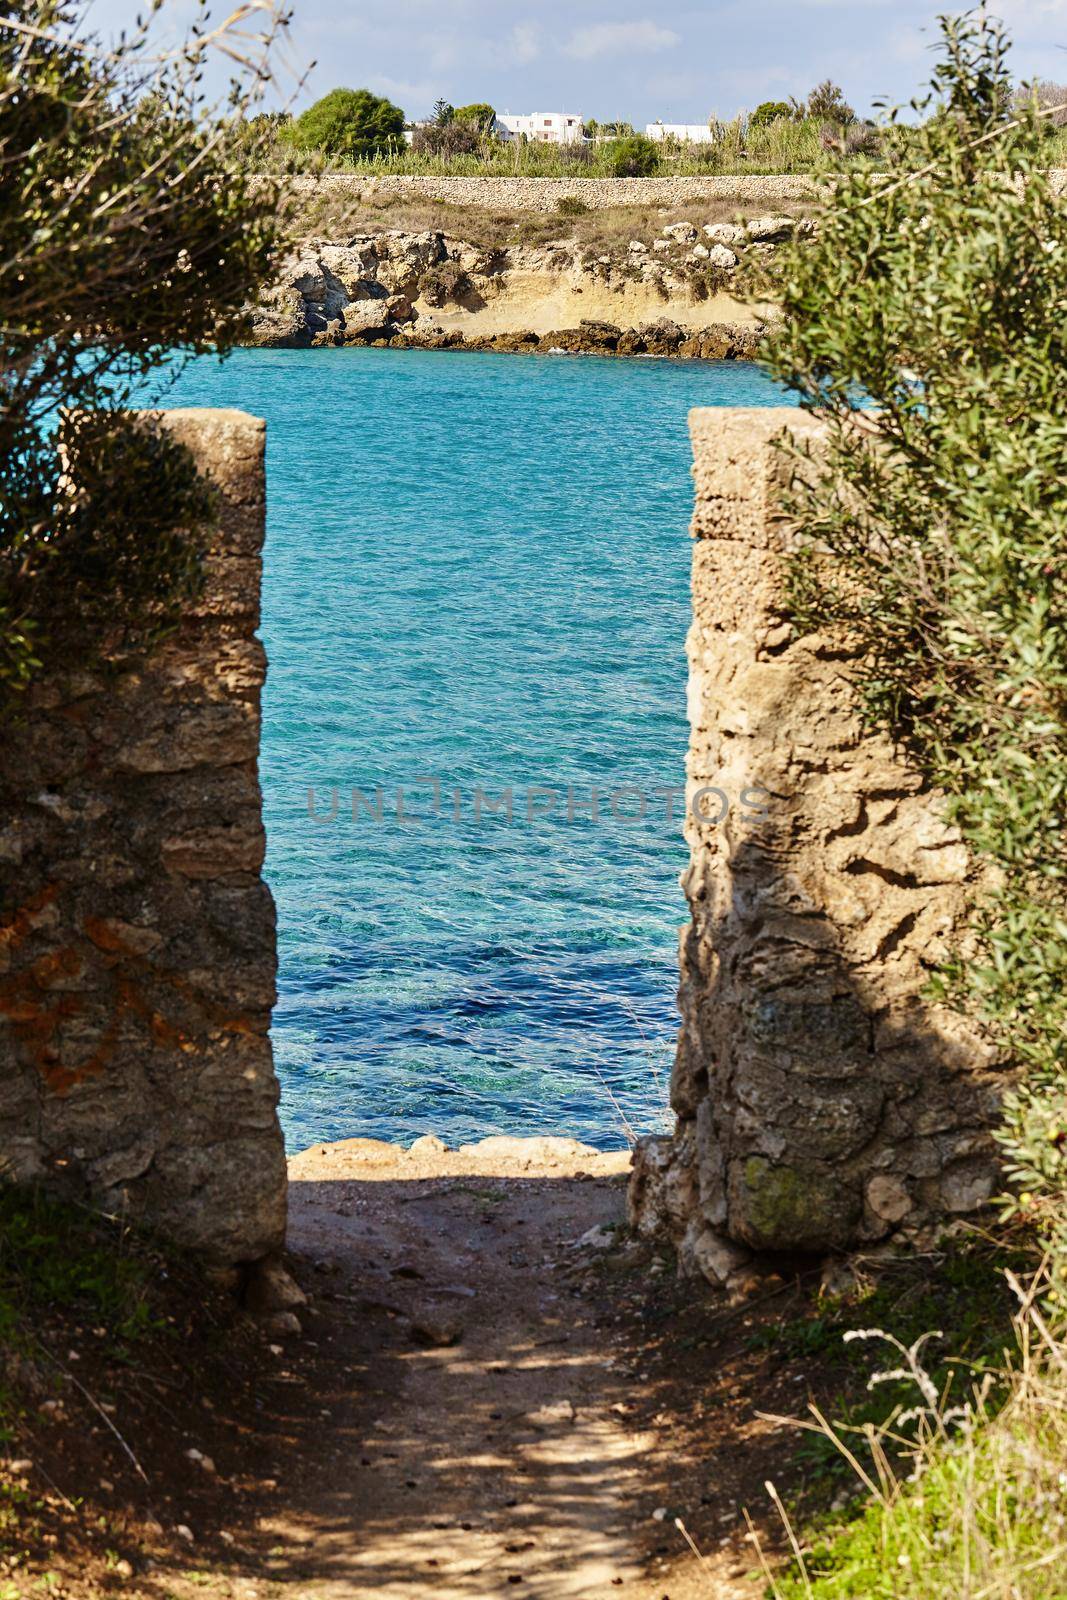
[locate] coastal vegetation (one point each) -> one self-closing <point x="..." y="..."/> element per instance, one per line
<point x="130" y="229"/>
<point x="778" y="136"/>
<point x="135" y="227"/>
<point x="932" y="532"/>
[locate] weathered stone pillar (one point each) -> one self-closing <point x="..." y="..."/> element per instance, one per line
<point x="822" y="1100"/>
<point x="137" y="938"/>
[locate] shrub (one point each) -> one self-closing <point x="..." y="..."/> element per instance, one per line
<point x="784" y="145"/>
<point x="851" y="140"/>
<point x="1051" y="96"/>
<point x="770" y="111"/>
<point x="480" y="113"/>
<point x="569" y="205"/>
<point x="448" y="139"/>
<point x="610" y="130"/>
<point x="633" y="157"/>
<point x="827" y="103"/>
<point x="576" y="154"/>
<point x="129" y="226"/>
<point x="936" y="537"/>
<point x="351" y="123"/>
<point x="443" y="283"/>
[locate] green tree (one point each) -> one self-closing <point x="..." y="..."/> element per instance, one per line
<point x="934" y="526"/>
<point x="615" y="130"/>
<point x="351" y="123"/>
<point x="480" y="113"/>
<point x="770" y="111"/>
<point x="129" y="230"/>
<point x="633" y="157"/>
<point x="442" y="113"/>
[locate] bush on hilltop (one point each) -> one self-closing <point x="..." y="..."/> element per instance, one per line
<point x="351" y="123"/>
<point x="771" y="111"/>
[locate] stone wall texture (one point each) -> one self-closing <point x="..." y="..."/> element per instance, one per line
<point x="544" y="194"/>
<point x="823" y="1103"/>
<point x="751" y="194"/>
<point x="137" y="938"/>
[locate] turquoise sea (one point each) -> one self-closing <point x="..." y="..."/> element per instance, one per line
<point x="476" y="578"/>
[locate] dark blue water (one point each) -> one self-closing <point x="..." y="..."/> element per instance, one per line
<point x="476" y="575"/>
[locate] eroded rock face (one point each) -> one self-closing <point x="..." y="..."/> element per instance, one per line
<point x="410" y="289"/>
<point x="823" y="1101"/>
<point x="137" y="939"/>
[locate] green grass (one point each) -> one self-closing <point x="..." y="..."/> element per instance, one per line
<point x="785" y="148"/>
<point x="967" y="1499"/>
<point x="979" y="1516"/>
<point x="962" y="1295"/>
<point x="782" y="147"/>
<point x="57" y="1256"/>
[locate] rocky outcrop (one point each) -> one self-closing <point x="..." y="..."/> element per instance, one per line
<point x="824" y="1102"/>
<point x="137" y="940"/>
<point x="431" y="291"/>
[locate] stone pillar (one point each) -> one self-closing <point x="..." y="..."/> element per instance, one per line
<point x="823" y="1102"/>
<point x="137" y="938"/>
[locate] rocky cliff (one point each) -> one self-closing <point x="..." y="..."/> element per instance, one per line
<point x="675" y="293"/>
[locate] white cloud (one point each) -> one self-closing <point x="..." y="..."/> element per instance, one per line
<point x="525" y="44"/>
<point x="614" y="38"/>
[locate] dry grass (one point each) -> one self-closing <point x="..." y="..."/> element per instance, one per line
<point x="491" y="228"/>
<point x="966" y="1494"/>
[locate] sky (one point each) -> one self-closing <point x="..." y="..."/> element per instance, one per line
<point x="630" y="59"/>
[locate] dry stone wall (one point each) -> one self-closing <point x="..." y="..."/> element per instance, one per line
<point x="822" y="1102"/>
<point x="760" y="192"/>
<point x="544" y="194"/>
<point x="137" y="938"/>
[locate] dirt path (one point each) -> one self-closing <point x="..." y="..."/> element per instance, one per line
<point x="483" y="1435"/>
<point x="494" y="1390"/>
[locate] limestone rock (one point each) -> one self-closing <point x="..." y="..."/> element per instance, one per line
<point x="645" y="1205"/>
<point x="365" y="316"/>
<point x="541" y="1148"/>
<point x="437" y="1333"/>
<point x="281" y="1325"/>
<point x="270" y="1287"/>
<point x="428" y="1144"/>
<point x="725" y="232"/>
<point x="720" y="256"/>
<point x="823" y="1101"/>
<point x="888" y="1198"/>
<point x="770" y="230"/>
<point x="141" y="1077"/>
<point x="704" y="1253"/>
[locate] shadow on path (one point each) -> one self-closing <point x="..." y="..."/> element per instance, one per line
<point x="484" y="1422"/>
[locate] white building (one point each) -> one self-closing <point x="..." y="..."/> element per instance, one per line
<point x="684" y="132"/>
<point x="540" y="127"/>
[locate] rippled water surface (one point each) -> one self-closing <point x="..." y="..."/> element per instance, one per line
<point x="476" y="573"/>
